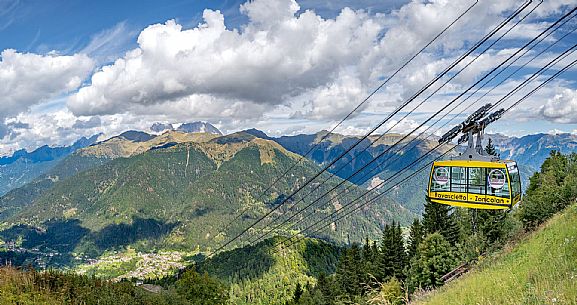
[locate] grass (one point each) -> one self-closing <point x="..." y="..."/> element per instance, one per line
<point x="540" y="269"/>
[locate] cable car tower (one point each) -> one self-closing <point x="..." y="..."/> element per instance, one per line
<point x="474" y="179"/>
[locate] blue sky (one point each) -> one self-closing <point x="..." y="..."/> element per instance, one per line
<point x="68" y="25"/>
<point x="278" y="65"/>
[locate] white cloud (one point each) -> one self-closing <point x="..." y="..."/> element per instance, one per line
<point x="562" y="108"/>
<point x="278" y="57"/>
<point x="28" y="79"/>
<point x="267" y="63"/>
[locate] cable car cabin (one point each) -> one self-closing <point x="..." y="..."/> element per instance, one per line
<point x="474" y="179"/>
<point x="475" y="184"/>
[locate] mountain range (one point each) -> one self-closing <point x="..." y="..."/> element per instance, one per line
<point x="23" y="166"/>
<point x="178" y="190"/>
<point x="127" y="191"/>
<point x="195" y="127"/>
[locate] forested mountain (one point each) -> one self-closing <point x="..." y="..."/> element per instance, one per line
<point x="136" y="142"/>
<point x="22" y="166"/>
<point x="269" y="272"/>
<point x="410" y="194"/>
<point x="529" y="151"/>
<point x="177" y="196"/>
<point x="336" y="144"/>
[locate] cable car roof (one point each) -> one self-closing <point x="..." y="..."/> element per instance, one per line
<point x="474" y="163"/>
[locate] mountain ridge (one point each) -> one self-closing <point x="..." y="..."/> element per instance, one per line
<point x="179" y="197"/>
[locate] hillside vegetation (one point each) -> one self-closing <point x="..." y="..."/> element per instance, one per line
<point x="29" y="287"/>
<point x="269" y="272"/>
<point x="539" y="269"/>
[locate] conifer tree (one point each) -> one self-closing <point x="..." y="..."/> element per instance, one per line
<point x="416" y="235"/>
<point x="349" y="272"/>
<point x="368" y="263"/>
<point x="438" y="218"/>
<point x="490" y="149"/>
<point x="489" y="223"/>
<point x="326" y="287"/>
<point x="298" y="292"/>
<point x="393" y="255"/>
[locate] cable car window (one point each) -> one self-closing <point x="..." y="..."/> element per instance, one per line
<point x="477" y="184"/>
<point x="497" y="184"/>
<point x="515" y="178"/>
<point x="515" y="183"/>
<point x="458" y="179"/>
<point x="440" y="181"/>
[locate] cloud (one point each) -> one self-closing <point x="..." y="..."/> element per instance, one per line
<point x="267" y="63"/>
<point x="280" y="56"/>
<point x="29" y="79"/>
<point x="562" y="108"/>
<point x="92" y="122"/>
<point x="288" y="69"/>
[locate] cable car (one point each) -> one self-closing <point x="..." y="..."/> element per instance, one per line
<point x="474" y="179"/>
<point x="475" y="184"/>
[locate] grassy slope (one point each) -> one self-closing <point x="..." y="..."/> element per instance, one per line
<point x="541" y="269"/>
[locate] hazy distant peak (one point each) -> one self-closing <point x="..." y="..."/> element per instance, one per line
<point x="194" y="127"/>
<point x="160" y="127"/>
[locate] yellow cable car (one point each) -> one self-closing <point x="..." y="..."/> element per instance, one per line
<point x="474" y="179"/>
<point x="475" y="184"/>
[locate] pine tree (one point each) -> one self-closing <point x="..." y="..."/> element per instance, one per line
<point x="491" y="221"/>
<point x="491" y="224"/>
<point x="439" y="218"/>
<point x="326" y="287"/>
<point x="416" y="235"/>
<point x="349" y="272"/>
<point x="401" y="253"/>
<point x="368" y="263"/>
<point x="393" y="255"/>
<point x="490" y="149"/>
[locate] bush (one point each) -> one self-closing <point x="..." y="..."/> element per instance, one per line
<point x="390" y="293"/>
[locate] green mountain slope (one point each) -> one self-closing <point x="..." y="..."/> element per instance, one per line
<point x="178" y="198"/>
<point x="268" y="272"/>
<point x="18" y="199"/>
<point x="540" y="269"/>
<point x="410" y="194"/>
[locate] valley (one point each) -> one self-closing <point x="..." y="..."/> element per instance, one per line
<point x="288" y="152"/>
